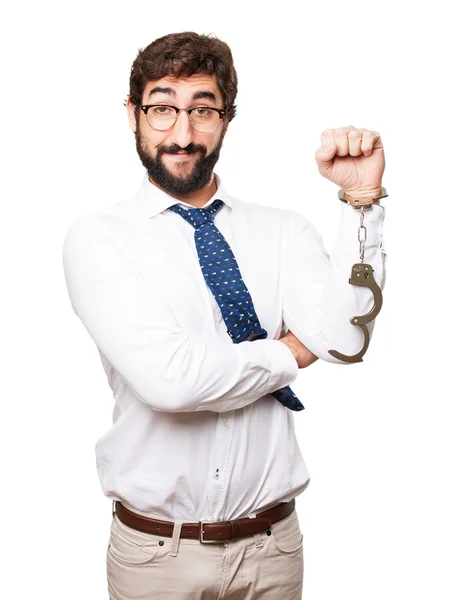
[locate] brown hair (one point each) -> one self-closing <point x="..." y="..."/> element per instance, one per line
<point x="182" y="55"/>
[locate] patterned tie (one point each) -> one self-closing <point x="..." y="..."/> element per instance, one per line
<point x="222" y="275"/>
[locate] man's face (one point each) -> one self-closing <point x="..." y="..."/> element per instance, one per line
<point x="180" y="160"/>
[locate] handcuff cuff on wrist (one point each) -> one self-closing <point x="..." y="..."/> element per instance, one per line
<point x="362" y="274"/>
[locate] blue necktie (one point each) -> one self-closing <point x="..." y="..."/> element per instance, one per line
<point x="222" y="275"/>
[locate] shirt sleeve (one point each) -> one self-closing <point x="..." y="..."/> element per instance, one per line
<point x="135" y="329"/>
<point x="317" y="299"/>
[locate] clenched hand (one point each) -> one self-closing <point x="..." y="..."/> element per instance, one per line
<point x="304" y="357"/>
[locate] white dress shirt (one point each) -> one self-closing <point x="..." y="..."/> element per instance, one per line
<point x="196" y="433"/>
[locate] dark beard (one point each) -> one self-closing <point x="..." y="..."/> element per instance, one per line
<point x="201" y="173"/>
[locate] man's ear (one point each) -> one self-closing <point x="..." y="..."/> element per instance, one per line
<point x="130" y="107"/>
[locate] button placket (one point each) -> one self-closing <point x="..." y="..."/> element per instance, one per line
<point x="223" y="437"/>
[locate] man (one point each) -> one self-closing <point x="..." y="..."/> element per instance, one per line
<point x="188" y="293"/>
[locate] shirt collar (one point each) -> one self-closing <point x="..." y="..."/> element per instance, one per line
<point x="153" y="200"/>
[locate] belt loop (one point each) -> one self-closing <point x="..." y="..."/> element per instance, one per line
<point x="256" y="536"/>
<point x="176" y="537"/>
<point x="113" y="508"/>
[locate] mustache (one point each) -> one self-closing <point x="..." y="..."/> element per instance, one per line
<point x="175" y="149"/>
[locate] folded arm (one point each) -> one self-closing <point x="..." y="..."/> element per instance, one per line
<point x="138" y="333"/>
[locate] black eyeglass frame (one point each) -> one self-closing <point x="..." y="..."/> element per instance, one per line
<point x="146" y="107"/>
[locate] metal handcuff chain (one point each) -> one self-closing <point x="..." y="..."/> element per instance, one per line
<point x="362" y="274"/>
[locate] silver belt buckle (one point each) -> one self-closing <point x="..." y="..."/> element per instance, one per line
<point x="202" y="540"/>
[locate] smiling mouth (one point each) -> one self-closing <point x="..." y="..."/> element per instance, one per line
<point x="182" y="155"/>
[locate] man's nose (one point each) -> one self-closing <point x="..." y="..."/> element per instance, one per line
<point x="182" y="131"/>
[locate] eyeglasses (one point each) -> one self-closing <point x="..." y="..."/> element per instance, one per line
<point x="202" y="118"/>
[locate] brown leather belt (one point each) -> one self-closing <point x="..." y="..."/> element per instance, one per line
<point x="207" y="531"/>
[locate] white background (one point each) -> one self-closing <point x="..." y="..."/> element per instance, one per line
<point x="374" y="434"/>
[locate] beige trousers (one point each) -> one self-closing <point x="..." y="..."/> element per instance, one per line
<point x="267" y="565"/>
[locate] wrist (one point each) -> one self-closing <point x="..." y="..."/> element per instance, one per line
<point x="359" y="194"/>
<point x="366" y="196"/>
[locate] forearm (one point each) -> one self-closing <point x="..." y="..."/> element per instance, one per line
<point x="318" y="300"/>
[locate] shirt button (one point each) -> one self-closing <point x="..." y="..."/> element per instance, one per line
<point x="226" y="423"/>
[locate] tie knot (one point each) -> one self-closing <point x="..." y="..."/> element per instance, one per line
<point x="197" y="217"/>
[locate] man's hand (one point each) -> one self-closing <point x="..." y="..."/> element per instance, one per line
<point x="352" y="158"/>
<point x="303" y="356"/>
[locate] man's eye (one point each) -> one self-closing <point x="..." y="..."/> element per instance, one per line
<point x="203" y="111"/>
<point x="161" y="110"/>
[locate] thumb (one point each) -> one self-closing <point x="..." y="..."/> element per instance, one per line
<point x="325" y="154"/>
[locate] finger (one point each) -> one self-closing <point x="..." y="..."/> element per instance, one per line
<point x="341" y="139"/>
<point x="355" y="142"/>
<point x="370" y="140"/>
<point x="327" y="138"/>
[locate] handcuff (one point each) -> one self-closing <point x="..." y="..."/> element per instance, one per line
<point x="362" y="274"/>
